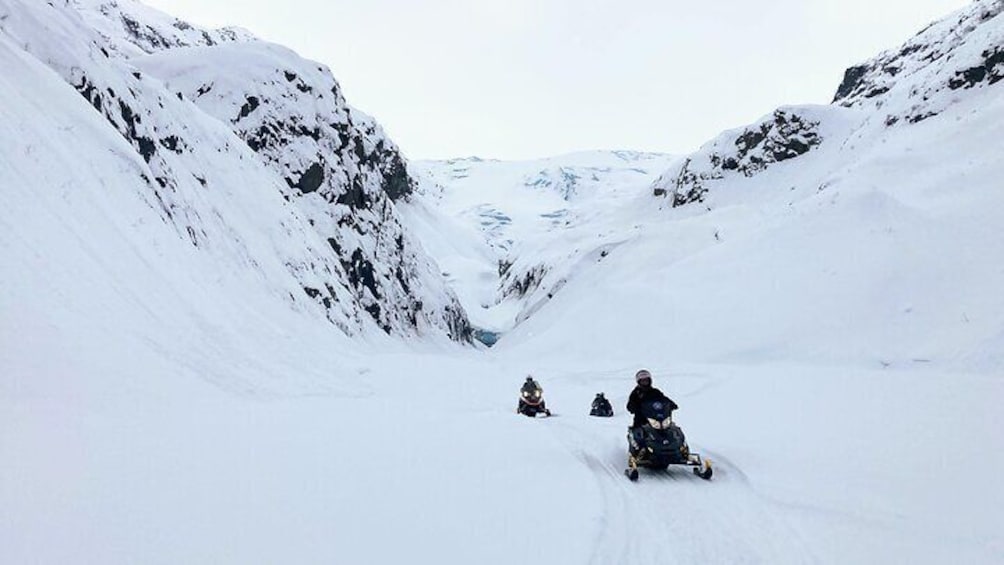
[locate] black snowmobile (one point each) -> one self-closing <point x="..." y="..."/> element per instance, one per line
<point x="601" y="407"/>
<point x="661" y="443"/>
<point x="531" y="402"/>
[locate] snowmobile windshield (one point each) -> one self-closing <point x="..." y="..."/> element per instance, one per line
<point x="656" y="410"/>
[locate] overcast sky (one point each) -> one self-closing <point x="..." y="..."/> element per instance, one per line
<point x="532" y="78"/>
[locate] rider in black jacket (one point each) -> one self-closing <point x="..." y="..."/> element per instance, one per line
<point x="644" y="392"/>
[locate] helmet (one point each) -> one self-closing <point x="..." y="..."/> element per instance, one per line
<point x="529" y="378"/>
<point x="642" y="375"/>
<point x="599" y="395"/>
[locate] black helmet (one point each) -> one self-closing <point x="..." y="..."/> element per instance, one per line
<point x="529" y="378"/>
<point x="599" y="395"/>
<point x="643" y="375"/>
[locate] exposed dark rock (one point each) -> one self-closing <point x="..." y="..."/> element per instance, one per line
<point x="460" y="327"/>
<point x="147" y="148"/>
<point x="144" y="34"/>
<point x="374" y="311"/>
<point x="90" y="93"/>
<point x="784" y="136"/>
<point x="130" y="118"/>
<point x="987" y="71"/>
<point x="311" y="179"/>
<point x="851" y="82"/>
<point x="360" y="272"/>
<point x="396" y="182"/>
<point x="360" y="152"/>
<point x="878" y="90"/>
<point x="530" y="281"/>
<point x="261" y="138"/>
<point x="504" y="266"/>
<point x="250" y="104"/>
<point x="921" y="117"/>
<point x="355" y="197"/>
<point x="171" y="142"/>
<point x="331" y="292"/>
<point x="689" y="186"/>
<point x="402" y="279"/>
<point x="751" y="138"/>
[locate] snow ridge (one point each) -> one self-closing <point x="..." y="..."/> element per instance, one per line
<point x="941" y="66"/>
<point x="924" y="76"/>
<point x="785" y="134"/>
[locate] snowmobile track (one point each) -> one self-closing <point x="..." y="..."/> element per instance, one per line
<point x="673" y="515"/>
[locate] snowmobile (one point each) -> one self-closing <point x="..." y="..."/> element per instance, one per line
<point x="661" y="443"/>
<point x="531" y="403"/>
<point x="601" y="407"/>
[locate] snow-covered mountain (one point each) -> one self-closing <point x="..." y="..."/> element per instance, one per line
<point x="509" y="232"/>
<point x="216" y="118"/>
<point x="933" y="70"/>
<point x="861" y="232"/>
<point x="950" y="62"/>
<point x="512" y="201"/>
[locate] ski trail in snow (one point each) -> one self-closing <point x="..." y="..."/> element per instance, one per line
<point x="674" y="516"/>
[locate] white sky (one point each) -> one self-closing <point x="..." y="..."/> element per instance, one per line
<point x="532" y="78"/>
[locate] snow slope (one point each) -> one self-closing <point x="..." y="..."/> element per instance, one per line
<point x="822" y="290"/>
<point x="859" y="238"/>
<point x="333" y="168"/>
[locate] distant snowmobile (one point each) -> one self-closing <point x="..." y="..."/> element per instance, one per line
<point x="601" y="407"/>
<point x="531" y="399"/>
<point x="660" y="443"/>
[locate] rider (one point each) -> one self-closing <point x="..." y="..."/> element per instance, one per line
<point x="601" y="405"/>
<point x="529" y="387"/>
<point x="645" y="392"/>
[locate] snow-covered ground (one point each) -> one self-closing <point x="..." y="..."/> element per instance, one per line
<point x="829" y="319"/>
<point x="420" y="458"/>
